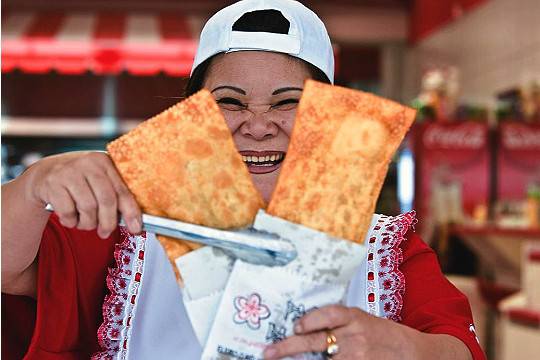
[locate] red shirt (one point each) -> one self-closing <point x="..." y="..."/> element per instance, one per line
<point x="63" y="322"/>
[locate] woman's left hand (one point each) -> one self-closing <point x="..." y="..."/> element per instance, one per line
<point x="358" y="336"/>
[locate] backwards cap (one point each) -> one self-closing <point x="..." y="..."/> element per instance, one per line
<point x="306" y="39"/>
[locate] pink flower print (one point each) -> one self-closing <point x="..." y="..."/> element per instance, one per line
<point x="250" y="310"/>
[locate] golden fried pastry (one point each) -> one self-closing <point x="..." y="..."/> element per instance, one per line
<point x="340" y="148"/>
<point x="183" y="164"/>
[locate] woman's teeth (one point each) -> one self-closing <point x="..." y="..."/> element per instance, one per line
<point x="268" y="160"/>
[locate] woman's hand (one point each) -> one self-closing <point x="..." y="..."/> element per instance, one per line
<point x="363" y="336"/>
<point x="358" y="335"/>
<point x="86" y="192"/>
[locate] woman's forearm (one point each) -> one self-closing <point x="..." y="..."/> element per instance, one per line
<point x="23" y="221"/>
<point x="438" y="346"/>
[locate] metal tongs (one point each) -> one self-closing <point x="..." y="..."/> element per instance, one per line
<point x="250" y="245"/>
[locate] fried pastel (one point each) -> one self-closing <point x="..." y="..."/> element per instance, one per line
<point x="341" y="145"/>
<point x="183" y="164"/>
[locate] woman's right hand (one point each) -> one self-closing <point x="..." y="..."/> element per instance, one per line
<point x="86" y="191"/>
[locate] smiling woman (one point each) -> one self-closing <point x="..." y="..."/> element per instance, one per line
<point x="258" y="92"/>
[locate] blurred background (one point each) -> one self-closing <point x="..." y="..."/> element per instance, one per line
<point x="78" y="73"/>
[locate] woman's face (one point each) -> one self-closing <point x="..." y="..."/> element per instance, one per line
<point x="258" y="93"/>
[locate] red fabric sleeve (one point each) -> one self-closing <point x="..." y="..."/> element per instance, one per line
<point x="71" y="286"/>
<point x="431" y="303"/>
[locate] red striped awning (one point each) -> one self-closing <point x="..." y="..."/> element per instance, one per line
<point x="104" y="43"/>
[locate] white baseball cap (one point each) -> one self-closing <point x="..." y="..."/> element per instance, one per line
<point x="307" y="38"/>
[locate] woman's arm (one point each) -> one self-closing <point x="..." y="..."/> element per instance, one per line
<point x="86" y="192"/>
<point x="440" y="346"/>
<point x="363" y="336"/>
<point x="436" y="320"/>
<point x="23" y="221"/>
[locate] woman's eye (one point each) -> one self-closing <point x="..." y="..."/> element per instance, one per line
<point x="287" y="104"/>
<point x="231" y="104"/>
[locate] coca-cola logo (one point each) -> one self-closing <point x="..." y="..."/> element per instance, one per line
<point x="455" y="137"/>
<point x="521" y="138"/>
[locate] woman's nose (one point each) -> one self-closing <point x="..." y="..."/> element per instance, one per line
<point x="259" y="127"/>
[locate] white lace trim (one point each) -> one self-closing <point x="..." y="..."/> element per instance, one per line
<point x="385" y="285"/>
<point x="119" y="305"/>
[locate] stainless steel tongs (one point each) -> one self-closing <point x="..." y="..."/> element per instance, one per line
<point x="250" y="245"/>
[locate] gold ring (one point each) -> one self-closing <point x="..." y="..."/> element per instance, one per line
<point x="332" y="348"/>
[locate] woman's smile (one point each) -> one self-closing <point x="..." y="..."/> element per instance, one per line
<point x="262" y="162"/>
